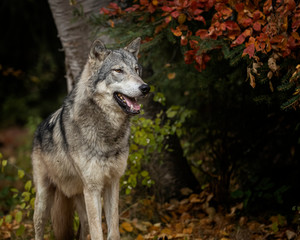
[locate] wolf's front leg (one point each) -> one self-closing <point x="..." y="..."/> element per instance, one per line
<point x="111" y="206"/>
<point x="92" y="200"/>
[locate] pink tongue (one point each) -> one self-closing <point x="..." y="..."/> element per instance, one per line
<point x="132" y="103"/>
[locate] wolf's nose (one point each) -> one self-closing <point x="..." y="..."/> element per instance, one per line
<point x="144" y="89"/>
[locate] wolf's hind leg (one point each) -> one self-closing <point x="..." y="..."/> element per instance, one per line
<point x="81" y="210"/>
<point x="43" y="202"/>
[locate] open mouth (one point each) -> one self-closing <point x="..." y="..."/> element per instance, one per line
<point x="128" y="104"/>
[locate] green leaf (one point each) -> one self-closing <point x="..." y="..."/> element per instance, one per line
<point x="1" y="222"/>
<point x="4" y="163"/>
<point x="26" y="196"/>
<point x="32" y="202"/>
<point x="19" y="216"/>
<point x="20" y="230"/>
<point x="8" y="218"/>
<point x="144" y="173"/>
<point x="171" y="112"/>
<point x="21" y="173"/>
<point x="14" y="190"/>
<point x="128" y="191"/>
<point x="28" y="185"/>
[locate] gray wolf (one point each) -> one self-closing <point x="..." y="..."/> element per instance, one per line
<point x="81" y="150"/>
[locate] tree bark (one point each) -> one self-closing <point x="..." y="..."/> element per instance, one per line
<point x="74" y="34"/>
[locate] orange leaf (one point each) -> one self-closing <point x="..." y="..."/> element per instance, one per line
<point x="127" y="226"/>
<point x="155" y="2"/>
<point x="171" y="75"/>
<point x="188" y="230"/>
<point x="177" y="32"/>
<point x="139" y="237"/>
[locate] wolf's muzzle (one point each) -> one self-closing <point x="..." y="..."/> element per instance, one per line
<point x="144" y="89"/>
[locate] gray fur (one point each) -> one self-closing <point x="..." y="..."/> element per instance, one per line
<point x="80" y="151"/>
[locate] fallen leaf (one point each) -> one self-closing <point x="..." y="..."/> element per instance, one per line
<point x="166" y="231"/>
<point x="188" y="230"/>
<point x="186" y="191"/>
<point x="290" y="234"/>
<point x="127" y="226"/>
<point x="139" y="237"/>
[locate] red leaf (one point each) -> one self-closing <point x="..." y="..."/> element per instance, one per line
<point x="202" y="33"/>
<point x="197" y="11"/>
<point x="175" y="14"/>
<point x="257" y="15"/>
<point x="194" y="44"/>
<point x="168" y="19"/>
<point x="151" y="8"/>
<point x="295" y="25"/>
<point x="183" y="41"/>
<point x="144" y="2"/>
<point x="231" y="25"/>
<point x="201" y="19"/>
<point x="166" y="9"/>
<point x="257" y="26"/>
<point x="133" y="8"/>
<point x="104" y="11"/>
<point x="246" y="22"/>
<point x="240" y="39"/>
<point x="114" y="6"/>
<point x="189" y="56"/>
<point x="268" y="7"/>
<point x="219" y="6"/>
<point x="249" y="50"/>
<point x="239" y="7"/>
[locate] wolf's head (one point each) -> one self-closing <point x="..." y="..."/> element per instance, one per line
<point x="115" y="76"/>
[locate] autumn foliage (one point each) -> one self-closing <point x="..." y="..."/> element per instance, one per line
<point x="266" y="29"/>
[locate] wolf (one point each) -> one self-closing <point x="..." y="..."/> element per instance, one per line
<point x="81" y="150"/>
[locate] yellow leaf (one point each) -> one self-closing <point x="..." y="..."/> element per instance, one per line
<point x="127" y="226"/>
<point x="181" y="18"/>
<point x="139" y="237"/>
<point x="166" y="231"/>
<point x="155" y="2"/>
<point x="171" y="75"/>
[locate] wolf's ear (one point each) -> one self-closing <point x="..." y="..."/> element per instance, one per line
<point x="134" y="47"/>
<point x="98" y="50"/>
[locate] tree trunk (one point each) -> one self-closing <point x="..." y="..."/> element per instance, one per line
<point x="74" y="34"/>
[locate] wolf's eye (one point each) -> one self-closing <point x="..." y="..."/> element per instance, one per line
<point x="137" y="69"/>
<point x="118" y="70"/>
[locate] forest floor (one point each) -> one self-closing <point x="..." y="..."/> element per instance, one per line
<point x="193" y="216"/>
<point x="190" y="218"/>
